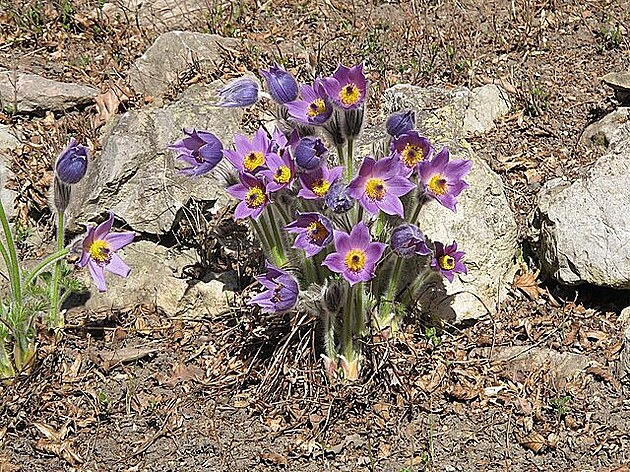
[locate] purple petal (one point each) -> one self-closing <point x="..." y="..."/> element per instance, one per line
<point x="117" y="266"/>
<point x="334" y="262"/>
<point x="119" y="240"/>
<point x="105" y="227"/>
<point x="96" y="271"/>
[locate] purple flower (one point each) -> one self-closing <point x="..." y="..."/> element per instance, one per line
<point x="448" y="260"/>
<point x="241" y="92"/>
<point x="314" y="107"/>
<point x="442" y="179"/>
<point x="282" y="86"/>
<point x="356" y="255"/>
<point x="281" y="294"/>
<point x="338" y="198"/>
<point x="408" y="240"/>
<point x="400" y="123"/>
<point x="249" y="156"/>
<point x="316" y="184"/>
<point x="72" y="163"/>
<point x="99" y="252"/>
<point x="347" y="87"/>
<point x="412" y="148"/>
<point x="253" y="195"/>
<point x="313" y="231"/>
<point x="280" y="171"/>
<point x="379" y="186"/>
<point x="200" y="149"/>
<point x="309" y="152"/>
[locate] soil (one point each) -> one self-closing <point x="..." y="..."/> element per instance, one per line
<point x="134" y="390"/>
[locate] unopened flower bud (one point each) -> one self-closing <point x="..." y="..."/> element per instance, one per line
<point x="241" y="92"/>
<point x="72" y="163"/>
<point x="338" y="198"/>
<point x="309" y="152"/>
<point x="400" y="122"/>
<point x="282" y="86"/>
<point x="408" y="240"/>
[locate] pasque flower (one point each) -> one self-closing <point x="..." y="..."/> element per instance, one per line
<point x="72" y="163"/>
<point x="241" y="92"/>
<point x="313" y="107"/>
<point x="442" y="180"/>
<point x="99" y="252"/>
<point x="447" y="260"/>
<point x="400" y="123"/>
<point x="379" y="186"/>
<point x="412" y="148"/>
<point x="347" y="87"/>
<point x="281" y="294"/>
<point x="280" y="171"/>
<point x="200" y="149"/>
<point x="282" y="86"/>
<point x="249" y="156"/>
<point x="253" y="195"/>
<point x="356" y="254"/>
<point x="407" y="241"/>
<point x="338" y="199"/>
<point x="309" y="152"/>
<point x="313" y="230"/>
<point x="315" y="184"/>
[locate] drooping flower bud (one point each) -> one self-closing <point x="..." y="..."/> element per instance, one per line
<point x="408" y="240"/>
<point x="309" y="152"/>
<point x="400" y="122"/>
<point x="338" y="198"/>
<point x="241" y="92"/>
<point x="282" y="86"/>
<point x="72" y="163"/>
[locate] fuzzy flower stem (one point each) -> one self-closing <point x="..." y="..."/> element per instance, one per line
<point x="340" y="155"/>
<point x="262" y="235"/>
<point x="393" y="281"/>
<point x="54" y="320"/>
<point x="416" y="212"/>
<point x="12" y="259"/>
<point x="57" y="256"/>
<point x="415" y="285"/>
<point x="273" y="235"/>
<point x="347" y="328"/>
<point x="329" y="335"/>
<point x="359" y="319"/>
<point x="350" y="158"/>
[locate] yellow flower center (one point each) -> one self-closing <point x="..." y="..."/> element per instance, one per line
<point x="253" y="160"/>
<point x="411" y="155"/>
<point x="316" y="108"/>
<point x="349" y="94"/>
<point x="282" y="175"/>
<point x="355" y="260"/>
<point x="316" y="232"/>
<point x="438" y="185"/>
<point x="320" y="187"/>
<point x="100" y="251"/>
<point x="255" y="197"/>
<point x="446" y="262"/>
<point x="375" y="189"/>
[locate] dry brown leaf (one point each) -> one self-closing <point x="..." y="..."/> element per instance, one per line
<point x="109" y="359"/>
<point x="63" y="450"/>
<point x="108" y="103"/>
<point x="526" y="282"/>
<point x="534" y="441"/>
<point x="604" y="374"/>
<point x="183" y="373"/>
<point x="275" y="458"/>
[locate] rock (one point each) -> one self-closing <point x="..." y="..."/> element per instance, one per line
<point x="600" y="133"/>
<point x="158" y="14"/>
<point x="155" y="278"/>
<point x="8" y="141"/>
<point x="623" y="364"/>
<point x="8" y="138"/>
<point x="26" y="93"/>
<point x="483" y="226"/>
<point x="485" y="105"/>
<point x="585" y="226"/>
<point x="171" y="53"/>
<point x="620" y="83"/>
<point x="136" y="175"/>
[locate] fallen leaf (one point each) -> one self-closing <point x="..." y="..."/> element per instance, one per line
<point x="525" y="281"/>
<point x="183" y="373"/>
<point x="274" y="458"/>
<point x="107" y="360"/>
<point x="534" y="441"/>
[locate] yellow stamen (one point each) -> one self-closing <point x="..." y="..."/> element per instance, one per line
<point x="282" y="175"/>
<point x="438" y="185"/>
<point x="446" y="262"/>
<point x="253" y="160"/>
<point x="316" y="108"/>
<point x="349" y="94"/>
<point x="411" y="155"/>
<point x="255" y="197"/>
<point x="320" y="187"/>
<point x="355" y="260"/>
<point x="316" y="232"/>
<point x="100" y="251"/>
<point x="375" y="189"/>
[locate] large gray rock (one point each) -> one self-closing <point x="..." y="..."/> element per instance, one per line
<point x="158" y="14"/>
<point x="156" y="278"/>
<point x="136" y="175"/>
<point x="159" y="67"/>
<point x="585" y="225"/>
<point x="600" y="133"/>
<point x="8" y="141"/>
<point x="483" y="226"/>
<point x="25" y="93"/>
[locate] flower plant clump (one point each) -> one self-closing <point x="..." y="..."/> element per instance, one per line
<point x="339" y="231"/>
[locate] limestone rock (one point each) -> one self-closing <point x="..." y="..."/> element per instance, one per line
<point x="600" y="133"/>
<point x="171" y="53"/>
<point x="585" y="225"/>
<point x="483" y="226"/>
<point x="155" y="278"/>
<point x="136" y="175"/>
<point x="8" y="141"/>
<point x="485" y="105"/>
<point x="8" y="138"/>
<point x="26" y="93"/>
<point x="158" y="14"/>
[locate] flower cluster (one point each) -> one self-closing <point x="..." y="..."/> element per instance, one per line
<point x="310" y="200"/>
